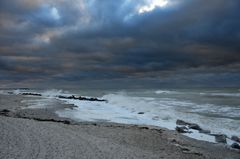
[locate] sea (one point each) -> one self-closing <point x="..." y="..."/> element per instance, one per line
<point x="214" y="109"/>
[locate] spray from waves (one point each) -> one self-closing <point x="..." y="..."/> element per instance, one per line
<point x="54" y="93"/>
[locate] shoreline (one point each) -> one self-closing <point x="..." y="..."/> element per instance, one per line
<point x="139" y="139"/>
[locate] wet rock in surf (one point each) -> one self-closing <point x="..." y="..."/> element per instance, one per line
<point x="82" y="98"/>
<point x="235" y="138"/>
<point x="181" y="122"/>
<point x="195" y="126"/>
<point x="141" y="113"/>
<point x="220" y="138"/>
<point x="235" y="146"/>
<point x="182" y="129"/>
<point x="190" y="125"/>
<point x="31" y="94"/>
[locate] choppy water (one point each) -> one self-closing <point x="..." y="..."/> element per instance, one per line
<point x="217" y="110"/>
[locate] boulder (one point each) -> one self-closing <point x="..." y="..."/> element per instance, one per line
<point x="190" y="125"/>
<point x="235" y="146"/>
<point x="235" y="138"/>
<point x="181" y="122"/>
<point x="141" y="113"/>
<point x="194" y="126"/>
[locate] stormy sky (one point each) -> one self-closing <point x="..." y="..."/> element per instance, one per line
<point x="116" y="43"/>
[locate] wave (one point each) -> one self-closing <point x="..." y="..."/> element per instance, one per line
<point x="165" y="92"/>
<point x="55" y="93"/>
<point x="221" y="94"/>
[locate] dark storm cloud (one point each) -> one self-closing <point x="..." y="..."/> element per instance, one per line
<point x="61" y="41"/>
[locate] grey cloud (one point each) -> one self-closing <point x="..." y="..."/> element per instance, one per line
<point x="109" y="40"/>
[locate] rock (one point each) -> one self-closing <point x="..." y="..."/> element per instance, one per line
<point x="235" y="146"/>
<point x="66" y="122"/>
<point x="141" y="113"/>
<point x="235" y="138"/>
<point x="31" y="94"/>
<point x="220" y="138"/>
<point x="82" y="98"/>
<point x="194" y="126"/>
<point x="4" y="112"/>
<point x="181" y="122"/>
<point x="204" y="131"/>
<point x="182" y="129"/>
<point x="190" y="125"/>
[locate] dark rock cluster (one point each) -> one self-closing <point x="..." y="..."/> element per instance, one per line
<point x="82" y="98"/>
<point x="68" y="97"/>
<point x="31" y="94"/>
<point x="185" y="127"/>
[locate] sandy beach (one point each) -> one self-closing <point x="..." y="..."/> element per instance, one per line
<point x="40" y="134"/>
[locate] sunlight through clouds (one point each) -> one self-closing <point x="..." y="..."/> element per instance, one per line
<point x="151" y="5"/>
<point x="55" y="13"/>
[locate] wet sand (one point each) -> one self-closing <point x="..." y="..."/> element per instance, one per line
<point x="41" y="134"/>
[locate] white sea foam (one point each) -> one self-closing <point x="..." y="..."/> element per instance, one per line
<point x="165" y="92"/>
<point x="121" y="108"/>
<point x="54" y="93"/>
<point x="17" y="91"/>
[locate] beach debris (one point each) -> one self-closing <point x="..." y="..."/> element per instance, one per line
<point x="141" y="113"/>
<point x="82" y="98"/>
<point x="182" y="129"/>
<point x="235" y="138"/>
<point x="220" y="138"/>
<point x="235" y="146"/>
<point x="31" y="94"/>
